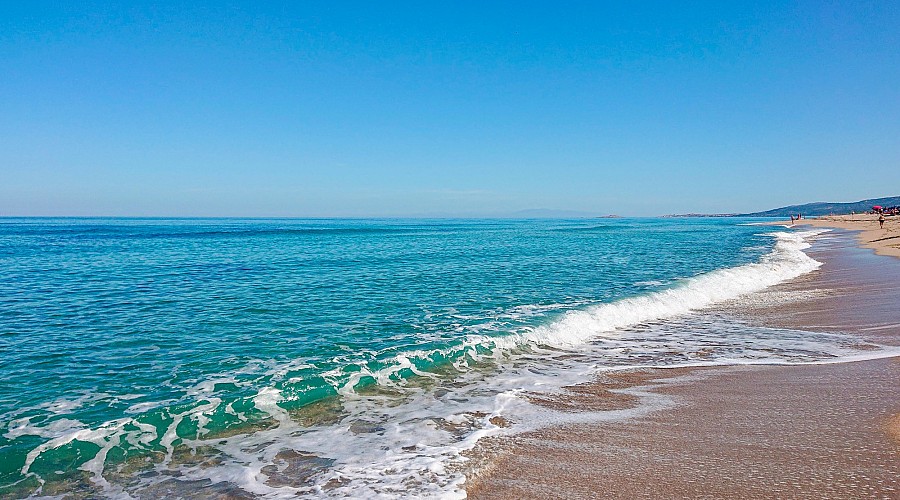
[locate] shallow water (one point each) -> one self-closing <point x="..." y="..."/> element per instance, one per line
<point x="147" y="357"/>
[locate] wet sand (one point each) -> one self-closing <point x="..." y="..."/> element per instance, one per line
<point x="854" y="291"/>
<point x="823" y="431"/>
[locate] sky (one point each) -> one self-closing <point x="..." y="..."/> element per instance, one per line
<point x="396" y="109"/>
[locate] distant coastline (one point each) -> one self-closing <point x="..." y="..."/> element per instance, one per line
<point x="814" y="209"/>
<point x="827" y="208"/>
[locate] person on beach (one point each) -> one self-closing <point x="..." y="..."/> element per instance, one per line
<point x="792" y="219"/>
<point x="881" y="221"/>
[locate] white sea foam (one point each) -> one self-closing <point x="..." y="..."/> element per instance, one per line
<point x="650" y="283"/>
<point x="786" y="261"/>
<point x="25" y="427"/>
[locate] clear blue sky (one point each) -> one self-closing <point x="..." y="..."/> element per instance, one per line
<point x="395" y="109"/>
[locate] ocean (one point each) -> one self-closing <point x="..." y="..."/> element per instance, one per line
<point x="349" y="357"/>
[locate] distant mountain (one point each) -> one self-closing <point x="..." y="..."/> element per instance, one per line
<point x="823" y="208"/>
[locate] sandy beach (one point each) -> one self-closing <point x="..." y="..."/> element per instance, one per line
<point x="823" y="431"/>
<point x="885" y="241"/>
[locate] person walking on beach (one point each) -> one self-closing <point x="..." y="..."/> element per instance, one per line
<point x="792" y="219"/>
<point x="881" y="221"/>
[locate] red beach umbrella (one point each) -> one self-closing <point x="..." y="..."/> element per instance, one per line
<point x="877" y="207"/>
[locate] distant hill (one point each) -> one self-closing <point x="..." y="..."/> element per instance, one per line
<point x="823" y="208"/>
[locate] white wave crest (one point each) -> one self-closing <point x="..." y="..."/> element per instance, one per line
<point x="786" y="261"/>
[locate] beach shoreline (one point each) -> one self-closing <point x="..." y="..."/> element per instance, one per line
<point x="829" y="430"/>
<point x="884" y="241"/>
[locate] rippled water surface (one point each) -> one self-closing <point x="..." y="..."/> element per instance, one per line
<point x="148" y="357"/>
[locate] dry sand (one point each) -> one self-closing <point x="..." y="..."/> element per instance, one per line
<point x="818" y="431"/>
<point x="885" y="241"/>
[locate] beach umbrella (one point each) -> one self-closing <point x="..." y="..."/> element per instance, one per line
<point x="876" y="208"/>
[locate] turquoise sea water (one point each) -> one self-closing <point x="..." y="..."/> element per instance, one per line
<point x="141" y="357"/>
